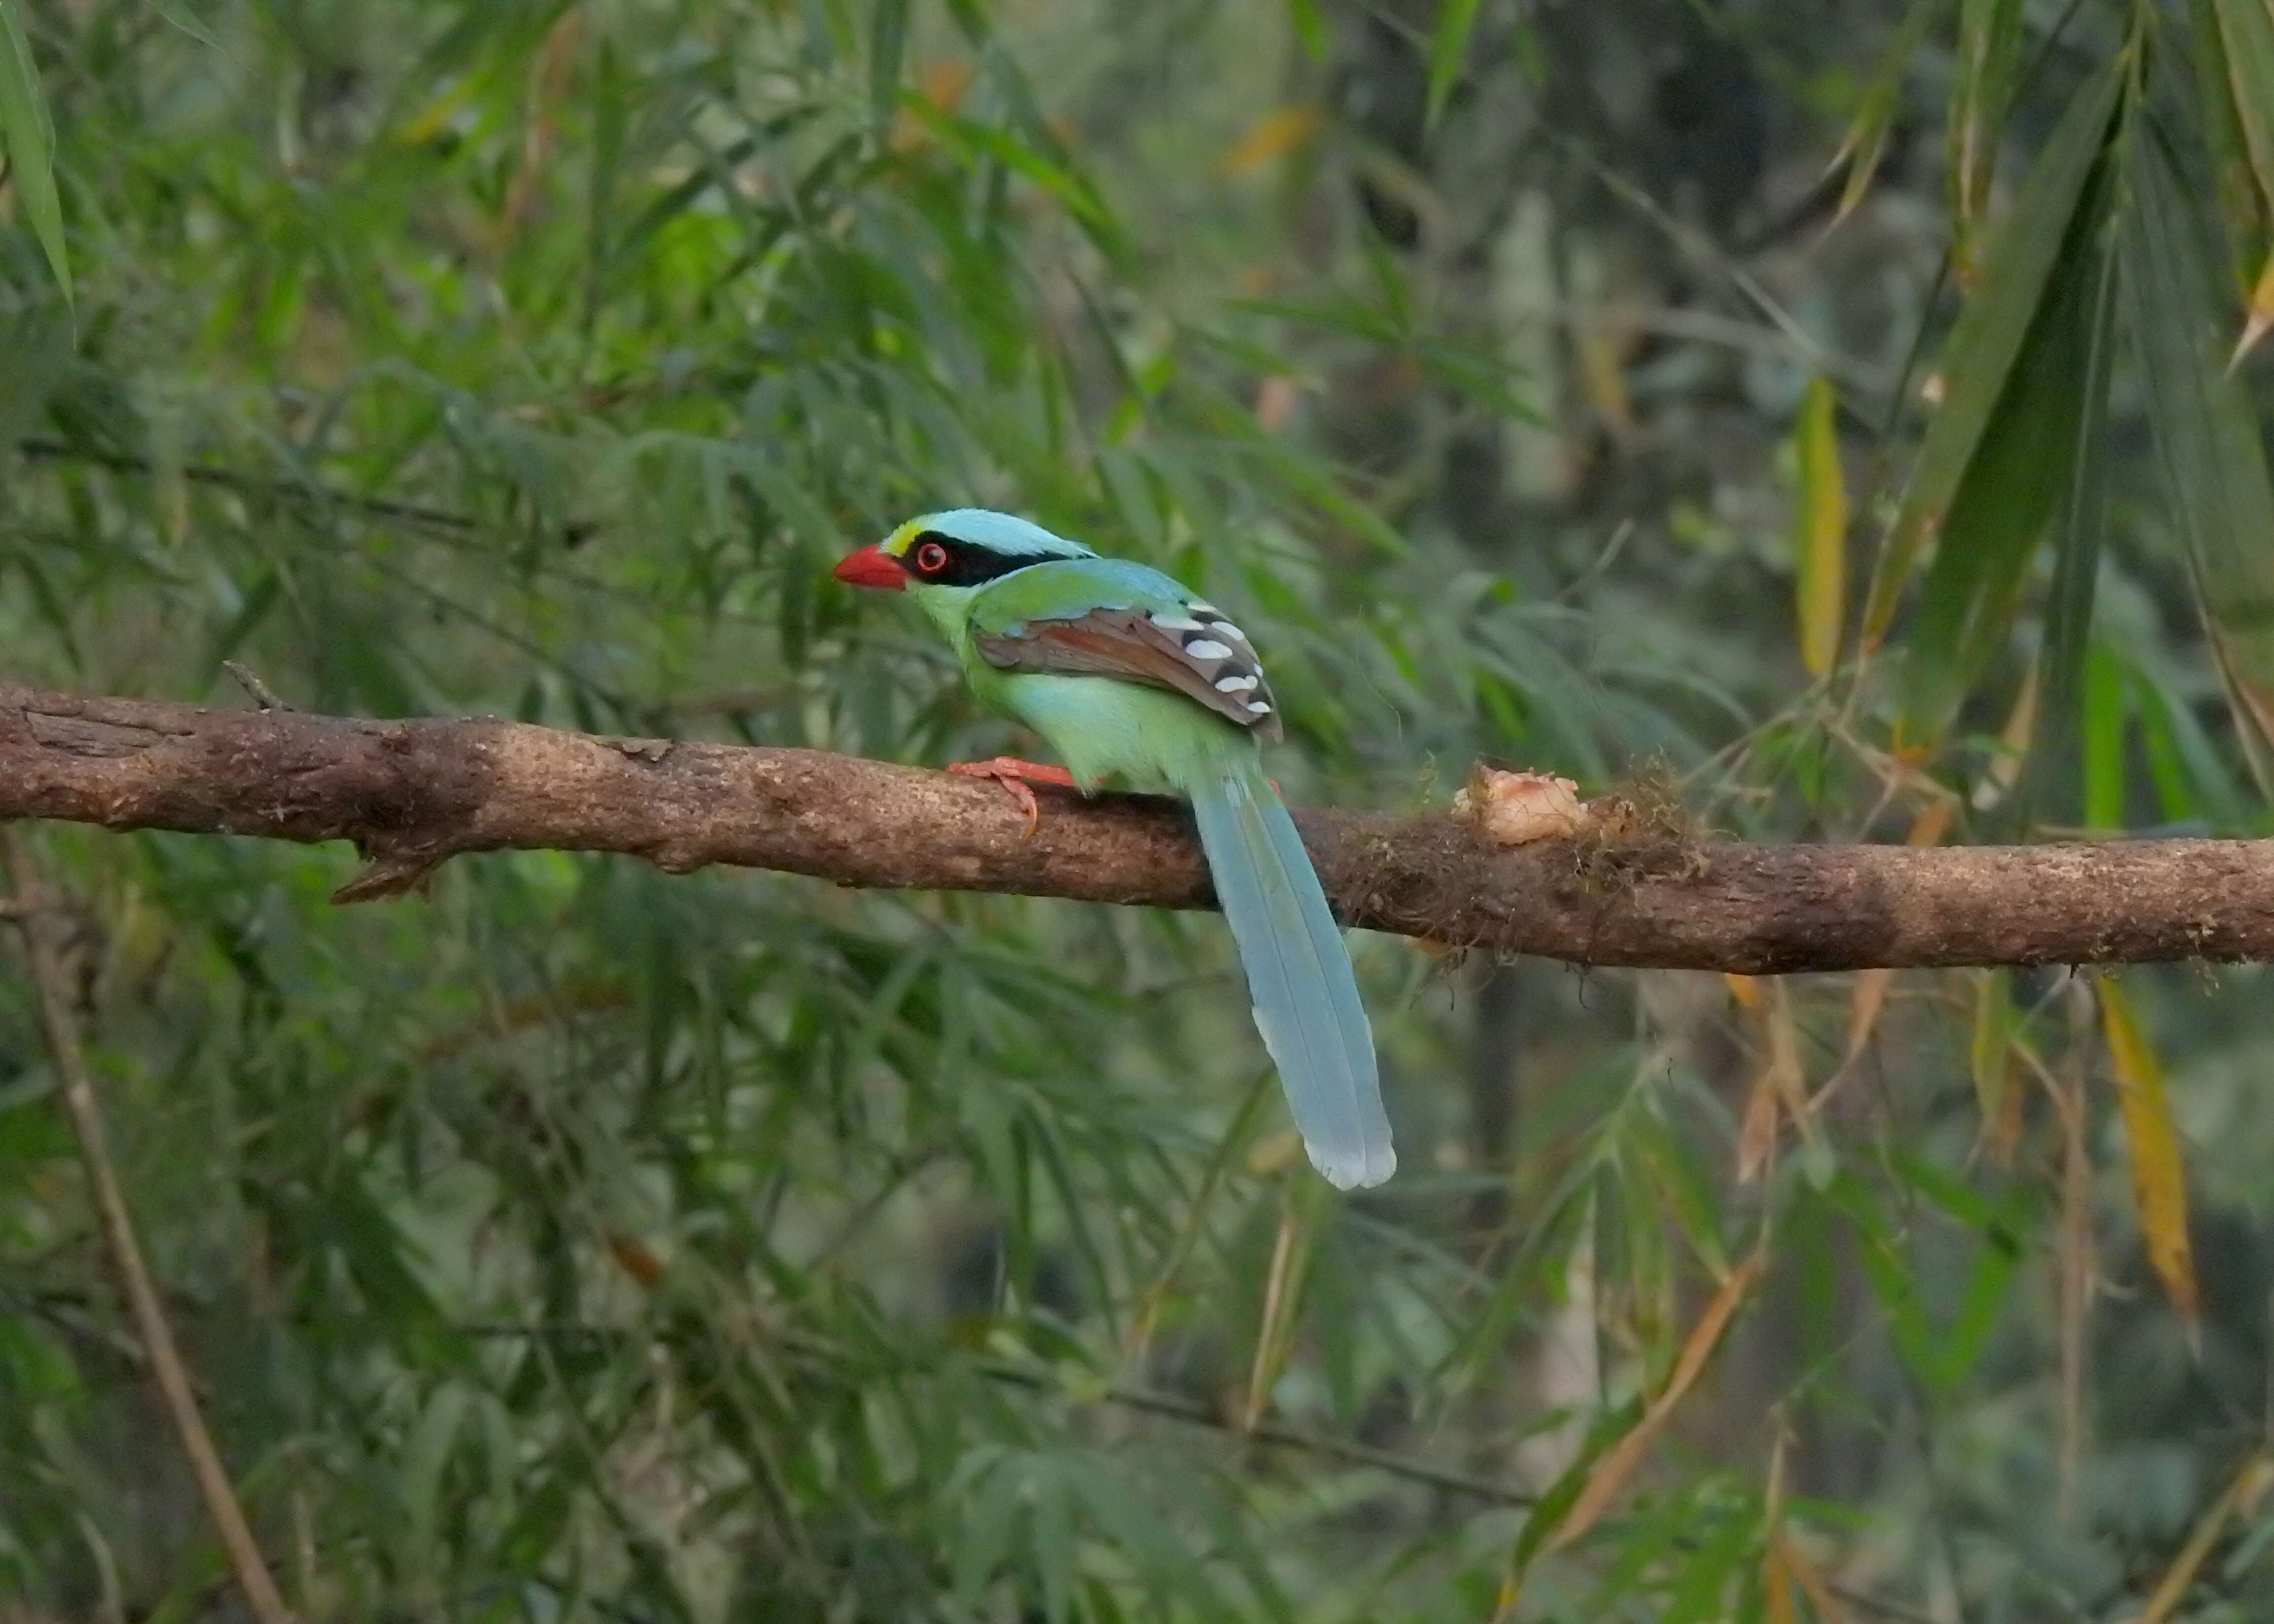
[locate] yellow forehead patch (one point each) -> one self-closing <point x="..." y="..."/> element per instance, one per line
<point x="897" y="543"/>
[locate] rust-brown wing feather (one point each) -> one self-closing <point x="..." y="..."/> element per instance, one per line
<point x="1198" y="653"/>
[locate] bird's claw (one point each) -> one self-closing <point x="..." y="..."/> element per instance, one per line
<point x="1012" y="774"/>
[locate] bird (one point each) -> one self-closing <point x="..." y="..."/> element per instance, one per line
<point x="1126" y="672"/>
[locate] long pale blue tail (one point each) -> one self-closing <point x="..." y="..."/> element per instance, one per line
<point x="1298" y="974"/>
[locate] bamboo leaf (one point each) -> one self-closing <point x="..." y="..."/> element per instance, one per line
<point x="1990" y="333"/>
<point x="1047" y="171"/>
<point x="2079" y="528"/>
<point x="2245" y="206"/>
<point x="1697" y="1592"/>
<point x="2258" y="316"/>
<point x="187" y="20"/>
<point x="888" y="42"/>
<point x="2214" y="462"/>
<point x="27" y="140"/>
<point x="1310" y="27"/>
<point x="1448" y="45"/>
<point x="2027" y="458"/>
<point x="1055" y="1549"/>
<point x="1866" y="140"/>
<point x="2104" y="742"/>
<point x="2246" y="29"/>
<point x="1819" y="529"/>
<point x="2159" y="1187"/>
<point x="1989" y="52"/>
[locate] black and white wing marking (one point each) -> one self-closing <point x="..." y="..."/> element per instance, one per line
<point x="1193" y="648"/>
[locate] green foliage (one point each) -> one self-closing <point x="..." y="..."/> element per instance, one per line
<point x="27" y="143"/>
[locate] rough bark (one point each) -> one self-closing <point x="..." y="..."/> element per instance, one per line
<point x="411" y="794"/>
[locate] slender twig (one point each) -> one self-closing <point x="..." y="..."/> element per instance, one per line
<point x="306" y="493"/>
<point x="1276" y="1435"/>
<point x="247" y="678"/>
<point x="31" y="901"/>
<point x="1165" y="1405"/>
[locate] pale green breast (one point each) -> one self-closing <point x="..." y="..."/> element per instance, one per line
<point x="1099" y="726"/>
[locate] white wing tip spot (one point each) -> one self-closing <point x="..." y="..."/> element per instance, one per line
<point x="1235" y="685"/>
<point x="1201" y="647"/>
<point x="1176" y="623"/>
<point x="1258" y="707"/>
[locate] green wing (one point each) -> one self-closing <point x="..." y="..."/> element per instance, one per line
<point x="1107" y="617"/>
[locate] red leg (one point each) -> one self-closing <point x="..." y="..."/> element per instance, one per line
<point x="1011" y="773"/>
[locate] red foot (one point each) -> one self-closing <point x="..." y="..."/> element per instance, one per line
<point x="1010" y="773"/>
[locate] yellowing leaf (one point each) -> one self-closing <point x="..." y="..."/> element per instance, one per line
<point x="2258" y="320"/>
<point x="429" y="121"/>
<point x="1609" y="1474"/>
<point x="1776" y="1587"/>
<point x="1783" y="1033"/>
<point x="1273" y="1152"/>
<point x="2158" y="1176"/>
<point x="1819" y="530"/>
<point x="1283" y="1288"/>
<point x="943" y="82"/>
<point x="1812" y="1583"/>
<point x="1757" y="1134"/>
<point x="1273" y="136"/>
<point x="1782" y="1085"/>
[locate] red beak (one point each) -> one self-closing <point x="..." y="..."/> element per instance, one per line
<point x="871" y="566"/>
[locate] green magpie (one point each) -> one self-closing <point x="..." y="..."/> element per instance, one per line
<point x="1124" y="671"/>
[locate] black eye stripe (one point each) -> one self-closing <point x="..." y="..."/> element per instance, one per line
<point x="963" y="563"/>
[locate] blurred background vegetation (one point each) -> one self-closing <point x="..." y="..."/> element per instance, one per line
<point x="1836" y="415"/>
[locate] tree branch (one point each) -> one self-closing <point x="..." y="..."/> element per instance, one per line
<point x="411" y="794"/>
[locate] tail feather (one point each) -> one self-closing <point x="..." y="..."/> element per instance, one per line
<point x="1299" y="976"/>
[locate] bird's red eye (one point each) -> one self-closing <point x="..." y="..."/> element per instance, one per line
<point x="931" y="558"/>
